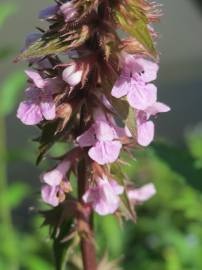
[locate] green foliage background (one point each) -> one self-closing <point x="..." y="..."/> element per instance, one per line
<point x="168" y="233"/>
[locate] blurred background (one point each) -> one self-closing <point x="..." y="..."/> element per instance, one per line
<point x="168" y="234"/>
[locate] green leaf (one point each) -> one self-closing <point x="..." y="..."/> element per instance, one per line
<point x="110" y="229"/>
<point x="121" y="106"/>
<point x="37" y="263"/>
<point x="126" y="115"/>
<point x="55" y="43"/>
<point x="131" y="122"/>
<point x="9" y="92"/>
<point x="6" y="10"/>
<point x="180" y="161"/>
<point x="135" y="24"/>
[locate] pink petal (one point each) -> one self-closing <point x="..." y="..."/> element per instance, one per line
<point x="108" y="202"/>
<point x="87" y="138"/>
<point x="48" y="109"/>
<point x="149" y="68"/>
<point x="72" y="75"/>
<point x="157" y="107"/>
<point x="142" y="194"/>
<point x="145" y="133"/>
<point x="99" y="115"/>
<point x="36" y="78"/>
<point x="49" y="195"/>
<point x="103" y="131"/>
<point x="29" y="113"/>
<point x="118" y="190"/>
<point x="121" y="87"/>
<point x="103" y="197"/>
<point x="142" y="96"/>
<point x="105" y="152"/>
<point x="103" y="208"/>
<point x="57" y="175"/>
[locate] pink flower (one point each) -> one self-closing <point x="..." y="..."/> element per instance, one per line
<point x="69" y="11"/>
<point x="140" y="195"/>
<point x="104" y="196"/>
<point x="72" y="75"/>
<point x="145" y="127"/>
<point x="39" y="104"/>
<point x="102" y="136"/>
<point x="56" y="184"/>
<point x="54" y="195"/>
<point x="134" y="82"/>
<point x="55" y="176"/>
<point x="49" y="195"/>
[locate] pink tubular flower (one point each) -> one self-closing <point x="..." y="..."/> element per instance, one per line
<point x="145" y="127"/>
<point x="103" y="138"/>
<point x="56" y="184"/>
<point x="72" y="75"/>
<point x="104" y="197"/>
<point x="134" y="82"/>
<point x="69" y="11"/>
<point x="54" y="195"/>
<point x="39" y="104"/>
<point x="140" y="195"/>
<point x="55" y="176"/>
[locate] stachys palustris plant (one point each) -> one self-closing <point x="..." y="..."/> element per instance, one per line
<point x="90" y="85"/>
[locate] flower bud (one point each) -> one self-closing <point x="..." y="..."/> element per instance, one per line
<point x="69" y="11"/>
<point x="72" y="75"/>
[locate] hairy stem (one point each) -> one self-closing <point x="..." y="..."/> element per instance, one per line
<point x="87" y="244"/>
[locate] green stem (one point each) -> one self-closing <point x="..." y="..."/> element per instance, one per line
<point x="8" y="233"/>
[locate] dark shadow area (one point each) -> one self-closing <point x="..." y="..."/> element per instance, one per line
<point x="199" y="3"/>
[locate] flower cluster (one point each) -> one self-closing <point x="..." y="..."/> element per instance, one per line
<point x="94" y="90"/>
<point x="135" y="83"/>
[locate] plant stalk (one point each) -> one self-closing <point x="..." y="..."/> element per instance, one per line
<point x="87" y="244"/>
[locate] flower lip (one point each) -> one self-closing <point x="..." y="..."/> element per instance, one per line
<point x="104" y="196"/>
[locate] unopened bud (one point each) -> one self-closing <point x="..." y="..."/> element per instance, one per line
<point x="72" y="75"/>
